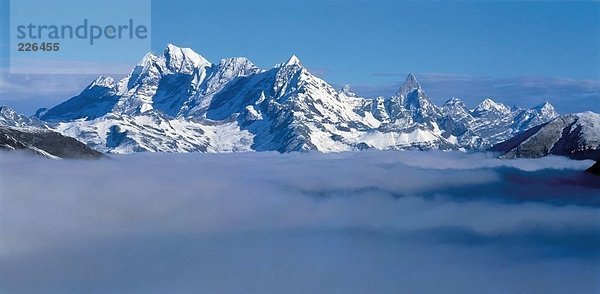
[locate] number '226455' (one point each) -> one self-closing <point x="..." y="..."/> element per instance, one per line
<point x="38" y="47"/>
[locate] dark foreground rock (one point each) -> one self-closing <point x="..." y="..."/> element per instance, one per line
<point x="576" y="136"/>
<point x="45" y="143"/>
<point x="594" y="169"/>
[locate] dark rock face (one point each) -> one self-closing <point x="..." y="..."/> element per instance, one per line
<point x="594" y="169"/>
<point x="46" y="143"/>
<point x="573" y="135"/>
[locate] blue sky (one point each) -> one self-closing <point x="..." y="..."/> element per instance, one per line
<point x="370" y="41"/>
<point x="372" y="45"/>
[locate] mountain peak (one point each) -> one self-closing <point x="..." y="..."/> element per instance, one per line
<point x="237" y="65"/>
<point x="410" y="84"/>
<point x="171" y="46"/>
<point x="545" y="105"/>
<point x="490" y="105"/>
<point x="294" y="60"/>
<point x="272" y="109"/>
<point x="546" y="109"/>
<point x="102" y="81"/>
<point x="454" y="102"/>
<point x="347" y="90"/>
<point x="234" y="60"/>
<point x="411" y="79"/>
<point x="8" y="117"/>
<point x="178" y="55"/>
<point x="5" y="109"/>
<point x="147" y="59"/>
<point x="487" y="102"/>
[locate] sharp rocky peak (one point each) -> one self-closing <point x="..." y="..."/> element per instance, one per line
<point x="280" y="106"/>
<point x="5" y="109"/>
<point x="9" y="117"/>
<point x="546" y="109"/>
<point x="179" y="57"/>
<point x="235" y="60"/>
<point x="237" y="64"/>
<point x="490" y="105"/>
<point x="102" y="81"/>
<point x="6" y="112"/>
<point x="347" y="90"/>
<point x="410" y="84"/>
<point x="454" y="101"/>
<point x="147" y="59"/>
<point x="544" y="106"/>
<point x="293" y="60"/>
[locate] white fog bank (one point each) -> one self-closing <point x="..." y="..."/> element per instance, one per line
<point x="367" y="222"/>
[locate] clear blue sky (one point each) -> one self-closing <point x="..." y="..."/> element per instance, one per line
<point x="369" y="41"/>
<point x="374" y="43"/>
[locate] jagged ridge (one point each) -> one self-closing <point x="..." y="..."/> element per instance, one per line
<point x="180" y="102"/>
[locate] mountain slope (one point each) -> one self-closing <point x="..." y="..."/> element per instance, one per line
<point x="289" y="109"/>
<point x="284" y="109"/>
<point x="178" y="82"/>
<point x="10" y="118"/>
<point x="411" y="104"/>
<point x="491" y="123"/>
<point x="152" y="131"/>
<point x="575" y="135"/>
<point x="45" y="143"/>
<point x="180" y="102"/>
<point x="18" y="132"/>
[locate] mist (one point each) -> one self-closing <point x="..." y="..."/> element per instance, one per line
<point x="365" y="222"/>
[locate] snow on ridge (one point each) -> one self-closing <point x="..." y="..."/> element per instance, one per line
<point x="284" y="108"/>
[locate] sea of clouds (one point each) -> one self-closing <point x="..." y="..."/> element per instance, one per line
<point x="366" y="222"/>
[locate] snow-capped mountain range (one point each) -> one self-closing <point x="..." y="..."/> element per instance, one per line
<point x="180" y="102"/>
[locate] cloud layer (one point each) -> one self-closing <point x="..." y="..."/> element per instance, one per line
<point x="366" y="222"/>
